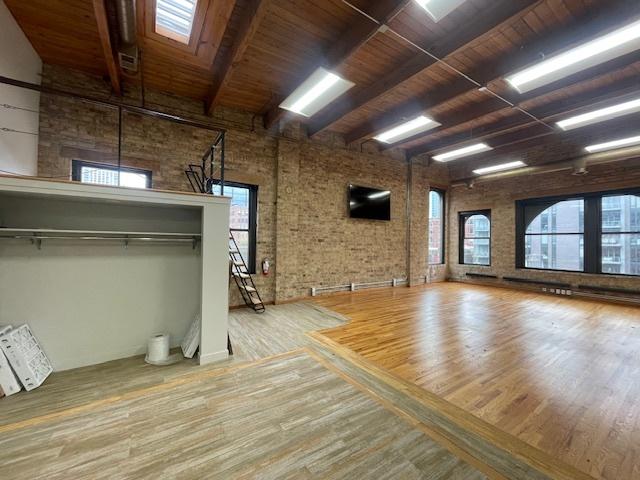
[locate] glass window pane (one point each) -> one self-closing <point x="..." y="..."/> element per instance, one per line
<point x="562" y="217"/>
<point x="242" y="239"/>
<point x="621" y="213"/>
<point x="239" y="213"/>
<point x="555" y="252"/>
<point x="435" y="227"/>
<point x="621" y="253"/>
<point x="477" y="251"/>
<point x="107" y="176"/>
<point x="477" y="226"/>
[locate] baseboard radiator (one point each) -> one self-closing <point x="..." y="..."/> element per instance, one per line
<point x="586" y="291"/>
<point x="394" y="282"/>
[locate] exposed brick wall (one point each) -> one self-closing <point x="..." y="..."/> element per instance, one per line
<point x="500" y="196"/>
<point x="303" y="224"/>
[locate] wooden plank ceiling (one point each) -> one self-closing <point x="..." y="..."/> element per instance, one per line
<point x="251" y="54"/>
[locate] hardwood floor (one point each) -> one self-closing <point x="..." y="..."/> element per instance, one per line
<point x="563" y="375"/>
<point x="282" y="418"/>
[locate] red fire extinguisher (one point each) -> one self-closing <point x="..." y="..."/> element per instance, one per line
<point x="265" y="266"/>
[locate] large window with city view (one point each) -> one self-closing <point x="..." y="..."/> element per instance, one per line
<point x="436" y="227"/>
<point x="475" y="238"/>
<point x="554" y="239"/>
<point x="620" y="235"/>
<point x="242" y="220"/>
<point x="592" y="233"/>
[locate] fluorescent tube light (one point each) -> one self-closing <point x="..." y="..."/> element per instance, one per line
<point x="462" y="152"/>
<point x="601" y="115"/>
<point x="316" y="92"/>
<point x="623" y="142"/>
<point x="174" y="18"/>
<point x="408" y="129"/>
<point x="438" y="9"/>
<point x="500" y="168"/>
<point x="609" y="46"/>
<point x="373" y="196"/>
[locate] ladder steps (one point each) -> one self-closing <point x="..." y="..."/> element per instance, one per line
<point x="243" y="278"/>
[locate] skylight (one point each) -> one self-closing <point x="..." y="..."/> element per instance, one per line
<point x="438" y="9"/>
<point x="601" y="115"/>
<point x="462" y="152"/>
<point x="595" y="52"/>
<point x="174" y="18"/>
<point x="408" y="129"/>
<point x="623" y="142"/>
<point x="316" y="92"/>
<point x="500" y="168"/>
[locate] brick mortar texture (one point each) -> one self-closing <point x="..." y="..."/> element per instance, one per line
<point x="303" y="224"/>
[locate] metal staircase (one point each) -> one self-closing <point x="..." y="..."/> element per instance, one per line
<point x="243" y="278"/>
<point x="202" y="179"/>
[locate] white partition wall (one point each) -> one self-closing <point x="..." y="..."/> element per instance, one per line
<point x="91" y="300"/>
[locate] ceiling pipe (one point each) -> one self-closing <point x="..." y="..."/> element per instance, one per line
<point x="578" y="166"/>
<point x="126" y="14"/>
<point x="128" y="54"/>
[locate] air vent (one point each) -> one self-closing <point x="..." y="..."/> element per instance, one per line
<point x="129" y="59"/>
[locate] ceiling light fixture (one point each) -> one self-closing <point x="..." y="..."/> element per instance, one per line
<point x="612" y="45"/>
<point x="408" y="129"/>
<point x="316" y="92"/>
<point x="600" y="115"/>
<point x="174" y="19"/>
<point x="438" y="9"/>
<point x="623" y="142"/>
<point x="462" y="152"/>
<point x="499" y="168"/>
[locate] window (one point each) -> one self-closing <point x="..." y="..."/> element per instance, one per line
<point x="436" y="227"/>
<point x="174" y="19"/>
<point x="242" y="219"/>
<point x="104" y="174"/>
<point x="592" y="233"/>
<point x="475" y="238"/>
<point x="554" y="238"/>
<point x="620" y="235"/>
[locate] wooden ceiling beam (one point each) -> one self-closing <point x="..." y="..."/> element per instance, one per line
<point x="594" y="99"/>
<point x="102" y="21"/>
<point x="252" y="17"/>
<point x="348" y="44"/>
<point x="493" y="104"/>
<point x="600" y="17"/>
<point x="499" y="12"/>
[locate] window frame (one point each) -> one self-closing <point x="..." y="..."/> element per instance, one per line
<point x="76" y="171"/>
<point x="462" y="220"/>
<point x="253" y="221"/>
<point x="592" y="230"/>
<point x="443" y="254"/>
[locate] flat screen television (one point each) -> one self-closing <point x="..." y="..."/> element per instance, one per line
<point x="369" y="203"/>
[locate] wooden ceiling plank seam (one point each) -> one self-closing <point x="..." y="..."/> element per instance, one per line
<point x="347" y="45"/>
<point x="499" y="13"/>
<point x="595" y="19"/>
<point x="105" y="39"/>
<point x="253" y="16"/>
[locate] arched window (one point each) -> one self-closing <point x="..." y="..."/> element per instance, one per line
<point x="436" y="227"/>
<point x="554" y="236"/>
<point x="475" y="238"/>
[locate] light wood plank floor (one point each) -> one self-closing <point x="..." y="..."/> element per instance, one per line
<point x="280" y="329"/>
<point x="283" y="418"/>
<point x="561" y="374"/>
